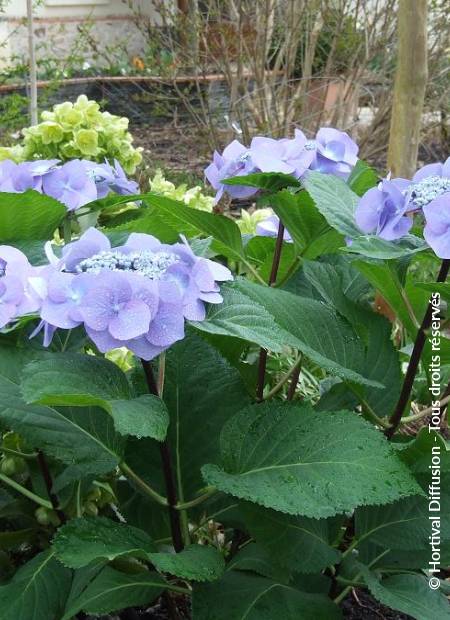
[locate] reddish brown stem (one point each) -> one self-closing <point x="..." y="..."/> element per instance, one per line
<point x="415" y="359"/>
<point x="168" y="472"/>
<point x="272" y="279"/>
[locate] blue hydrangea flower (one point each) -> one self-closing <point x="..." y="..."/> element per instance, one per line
<point x="383" y="210"/>
<point x="74" y="184"/>
<point x="19" y="290"/>
<point x="234" y="161"/>
<point x="336" y="153"/>
<point x="137" y="295"/>
<point x="430" y="192"/>
<point x="290" y="156"/>
<point x="269" y="228"/>
<point x="70" y="184"/>
<point x="109" y="178"/>
<point x="437" y="227"/>
<point x="17" y="178"/>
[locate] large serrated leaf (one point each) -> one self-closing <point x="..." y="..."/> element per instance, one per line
<point x="112" y="590"/>
<point x="243" y="596"/>
<point x="38" y="589"/>
<point x="71" y="379"/>
<point x="199" y="412"/>
<point x="409" y="594"/>
<point x="223" y="230"/>
<point x="300" y="216"/>
<point x="362" y="178"/>
<point x="300" y="462"/>
<point x="269" y="181"/>
<point x="29" y="215"/>
<point x="417" y="452"/>
<point x="82" y="438"/>
<point x="81" y="541"/>
<point x="311" y="327"/>
<point x="256" y="559"/>
<point x="240" y="317"/>
<point x="195" y="563"/>
<point x="301" y="544"/>
<point x="335" y="201"/>
<point x="374" y="247"/>
<point x="402" y="525"/>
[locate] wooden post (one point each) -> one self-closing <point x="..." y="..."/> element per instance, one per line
<point x="32" y="65"/>
<point x="409" y="88"/>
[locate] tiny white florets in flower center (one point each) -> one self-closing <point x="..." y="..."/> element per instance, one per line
<point x="152" y="265"/>
<point x="423" y="192"/>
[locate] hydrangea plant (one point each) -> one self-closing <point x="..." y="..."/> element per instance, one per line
<point x="158" y="446"/>
<point x="78" y="130"/>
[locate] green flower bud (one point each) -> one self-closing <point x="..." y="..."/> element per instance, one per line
<point x="90" y="509"/>
<point x="8" y="466"/>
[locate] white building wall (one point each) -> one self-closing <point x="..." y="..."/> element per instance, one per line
<point x="57" y="22"/>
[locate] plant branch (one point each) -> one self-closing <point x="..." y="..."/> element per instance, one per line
<point x="20" y="489"/>
<point x="169" y="476"/>
<point x="272" y="280"/>
<point x="197" y="500"/>
<point x="22" y="455"/>
<point x="295" y="368"/>
<point x="367" y="409"/>
<point x="142" y="485"/>
<point x="415" y="359"/>
<point x="424" y="413"/>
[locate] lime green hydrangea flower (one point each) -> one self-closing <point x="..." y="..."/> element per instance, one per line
<point x="192" y="197"/>
<point x="86" y="140"/>
<point x="78" y="130"/>
<point x="11" y="152"/>
<point x="50" y="132"/>
<point x="249" y="221"/>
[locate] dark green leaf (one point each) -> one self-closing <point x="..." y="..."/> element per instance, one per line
<point x="305" y="324"/>
<point x="111" y="591"/>
<point x="198" y="413"/>
<point x="39" y="587"/>
<point x="83" y="438"/>
<point x="222" y="229"/>
<point x="374" y="247"/>
<point x="195" y="563"/>
<point x="269" y="181"/>
<point x="304" y="222"/>
<point x="29" y="215"/>
<point x="243" y="596"/>
<point x="299" y="543"/>
<point x="82" y="380"/>
<point x="83" y="540"/>
<point x="362" y="178"/>
<point x="335" y="201"/>
<point x="256" y="559"/>
<point x="409" y="594"/>
<point x="300" y="462"/>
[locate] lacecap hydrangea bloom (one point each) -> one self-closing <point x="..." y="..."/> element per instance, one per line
<point x="330" y="152"/>
<point x="137" y="295"/>
<point x="74" y="183"/>
<point x="388" y="210"/>
<point x="76" y="131"/>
